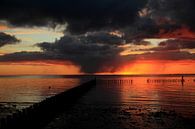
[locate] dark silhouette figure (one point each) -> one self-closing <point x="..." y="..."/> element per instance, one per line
<point x="182" y="80"/>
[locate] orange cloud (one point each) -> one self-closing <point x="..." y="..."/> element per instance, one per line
<point x="182" y="33"/>
<point x="3" y="27"/>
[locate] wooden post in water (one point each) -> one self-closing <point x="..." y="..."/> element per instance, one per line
<point x="182" y="80"/>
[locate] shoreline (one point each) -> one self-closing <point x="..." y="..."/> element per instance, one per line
<point x="88" y="116"/>
<point x="39" y="114"/>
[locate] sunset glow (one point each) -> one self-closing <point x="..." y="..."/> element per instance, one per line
<point x="37" y="68"/>
<point x="183" y="32"/>
<point x="142" y="41"/>
<point x="91" y="64"/>
<point x="159" y="67"/>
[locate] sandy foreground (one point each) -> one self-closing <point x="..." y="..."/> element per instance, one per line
<point x="96" y="116"/>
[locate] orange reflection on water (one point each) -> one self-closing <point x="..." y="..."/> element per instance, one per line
<point x="27" y="89"/>
<point x="167" y="93"/>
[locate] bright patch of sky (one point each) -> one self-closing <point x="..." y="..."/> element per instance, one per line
<point x="154" y="41"/>
<point x="29" y="37"/>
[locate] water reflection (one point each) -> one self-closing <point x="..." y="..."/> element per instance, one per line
<point x="174" y="80"/>
<point x="150" y="93"/>
<point x="153" y="93"/>
<point x="33" y="90"/>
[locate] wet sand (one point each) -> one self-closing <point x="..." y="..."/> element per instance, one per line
<point x="90" y="116"/>
<point x="7" y="109"/>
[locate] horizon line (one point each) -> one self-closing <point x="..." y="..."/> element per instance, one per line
<point x="28" y="75"/>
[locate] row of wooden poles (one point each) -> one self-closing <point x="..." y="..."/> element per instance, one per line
<point x="130" y="81"/>
<point x="40" y="114"/>
<point x="164" y="80"/>
<point x="115" y="81"/>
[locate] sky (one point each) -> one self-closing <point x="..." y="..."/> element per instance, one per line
<point x="97" y="37"/>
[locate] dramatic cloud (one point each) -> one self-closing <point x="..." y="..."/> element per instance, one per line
<point x="93" y="51"/>
<point x="6" y="39"/>
<point x="100" y="51"/>
<point x="172" y="45"/>
<point x="178" y="11"/>
<point x="99" y="30"/>
<point x="177" y="44"/>
<point x="80" y="15"/>
<point x="89" y="53"/>
<point x="25" y="56"/>
<point x="110" y="38"/>
<point x="92" y="65"/>
<point x="163" y="19"/>
<point x="161" y="55"/>
<point x="137" y="19"/>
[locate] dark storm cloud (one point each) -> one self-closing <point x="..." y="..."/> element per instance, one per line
<point x="25" y="56"/>
<point x="162" y="19"/>
<point x="97" y="51"/>
<point x="91" y="65"/>
<point x="93" y="51"/>
<point x="101" y="53"/>
<point x="161" y="55"/>
<point x="92" y="43"/>
<point x="180" y="12"/>
<point x="80" y="15"/>
<point x="102" y="37"/>
<point x="6" y="39"/>
<point x="141" y="29"/>
<point x="81" y="51"/>
<point x="178" y="44"/>
<point x="86" y="15"/>
<point x="173" y="45"/>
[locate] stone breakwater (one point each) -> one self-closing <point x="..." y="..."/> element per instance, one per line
<point x="39" y="114"/>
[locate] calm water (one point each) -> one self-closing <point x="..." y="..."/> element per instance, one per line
<point x="24" y="91"/>
<point x="152" y="93"/>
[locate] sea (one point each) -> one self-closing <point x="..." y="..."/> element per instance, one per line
<point x="154" y="92"/>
